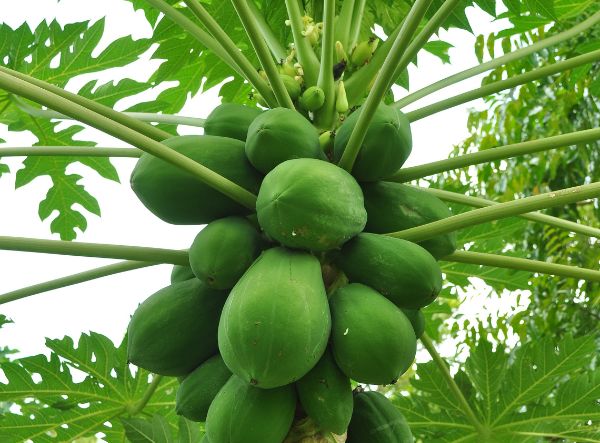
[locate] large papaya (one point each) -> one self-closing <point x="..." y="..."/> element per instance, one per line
<point x="178" y="197"/>
<point x="241" y="413"/>
<point x="402" y="271"/>
<point x="197" y="391"/>
<point x="393" y="207"/>
<point x="230" y="120"/>
<point x="376" y="420"/>
<point x="276" y="322"/>
<point x="224" y="250"/>
<point x="371" y="339"/>
<point x="181" y="273"/>
<point x="310" y="204"/>
<point x="387" y="144"/>
<point x="326" y="395"/>
<point x="174" y="330"/>
<point x="278" y="135"/>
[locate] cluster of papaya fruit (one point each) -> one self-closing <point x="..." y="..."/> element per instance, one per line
<point x="285" y="309"/>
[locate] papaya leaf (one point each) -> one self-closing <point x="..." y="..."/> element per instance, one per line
<point x="158" y="430"/>
<point x="56" y="404"/>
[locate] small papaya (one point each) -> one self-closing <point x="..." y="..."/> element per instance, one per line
<point x="224" y="250"/>
<point x="197" y="391"/>
<point x="230" y="120"/>
<point x="325" y="394"/>
<point x="402" y="271"/>
<point x="291" y="85"/>
<point x="387" y="144"/>
<point x="371" y="339"/>
<point x="312" y="99"/>
<point x="241" y="413"/>
<point x="392" y="207"/>
<point x="278" y="135"/>
<point x="181" y="273"/>
<point x="276" y="322"/>
<point x="177" y="197"/>
<point x="376" y="420"/>
<point x="310" y="204"/>
<point x="417" y="320"/>
<point x="174" y="330"/>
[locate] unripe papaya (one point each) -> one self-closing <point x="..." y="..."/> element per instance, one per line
<point x="278" y="135"/>
<point x="174" y="330"/>
<point x="230" y="120"/>
<point x="200" y="387"/>
<point x="275" y="324"/>
<point x="310" y="204"/>
<point x="376" y="420"/>
<point x="178" y="197"/>
<point x="361" y="53"/>
<point x="181" y="273"/>
<point x="326" y="395"/>
<point x="291" y="85"/>
<point x="372" y="340"/>
<point x="224" y="250"/>
<point x="417" y="320"/>
<point x="312" y="99"/>
<point x="402" y="271"/>
<point x="241" y="413"/>
<point x="393" y="207"/>
<point x="386" y="147"/>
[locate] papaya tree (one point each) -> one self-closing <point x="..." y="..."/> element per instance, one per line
<point x="322" y="264"/>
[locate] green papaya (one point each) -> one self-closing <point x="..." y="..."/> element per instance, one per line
<point x="278" y="135"/>
<point x="325" y="394"/>
<point x="417" y="320"/>
<point x="241" y="413"/>
<point x="177" y="197"/>
<point x="310" y="204"/>
<point x="392" y="207"/>
<point x="312" y="99"/>
<point x="275" y="324"/>
<point x="387" y="144"/>
<point x="200" y="387"/>
<point x="376" y="420"/>
<point x="372" y="340"/>
<point x="224" y="250"/>
<point x="291" y="85"/>
<point x="181" y="273"/>
<point x="230" y="120"/>
<point x="402" y="271"/>
<point x="174" y="330"/>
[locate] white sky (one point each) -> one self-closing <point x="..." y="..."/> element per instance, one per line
<point x="105" y="305"/>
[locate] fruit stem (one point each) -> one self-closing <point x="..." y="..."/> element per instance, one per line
<point x="263" y="53"/>
<point x="498" y="153"/>
<point x="500" y="210"/>
<point x="498" y="86"/>
<point x="156" y="379"/>
<point x="219" y="48"/>
<point x="70" y="151"/>
<point x="306" y="55"/>
<point x="275" y="46"/>
<point x="357" y="17"/>
<point x="505" y="59"/>
<point x="523" y="264"/>
<point x="324" y="117"/>
<point x="82" y="114"/>
<point x="441" y="364"/>
<point x="119" y="117"/>
<point x="74" y="279"/>
<point x="98" y="250"/>
<point x="381" y="83"/>
<point x="344" y="23"/>
<point x="455" y="197"/>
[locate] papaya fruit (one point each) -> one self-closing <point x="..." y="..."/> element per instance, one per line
<point x="387" y="144"/>
<point x="312" y="99"/>
<point x="181" y="273"/>
<point x="376" y="420"/>
<point x="174" y="330"/>
<point x="278" y="135"/>
<point x="402" y="271"/>
<point x="230" y="120"/>
<point x="177" y="197"/>
<point x="325" y="394"/>
<point x="417" y="320"/>
<point x="276" y="322"/>
<point x="197" y="391"/>
<point x="224" y="250"/>
<point x="241" y="413"/>
<point x="291" y="85"/>
<point x="310" y="204"/>
<point x="372" y="340"/>
<point x="392" y="207"/>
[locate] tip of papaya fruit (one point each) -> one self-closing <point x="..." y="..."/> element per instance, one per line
<point x="253" y="381"/>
